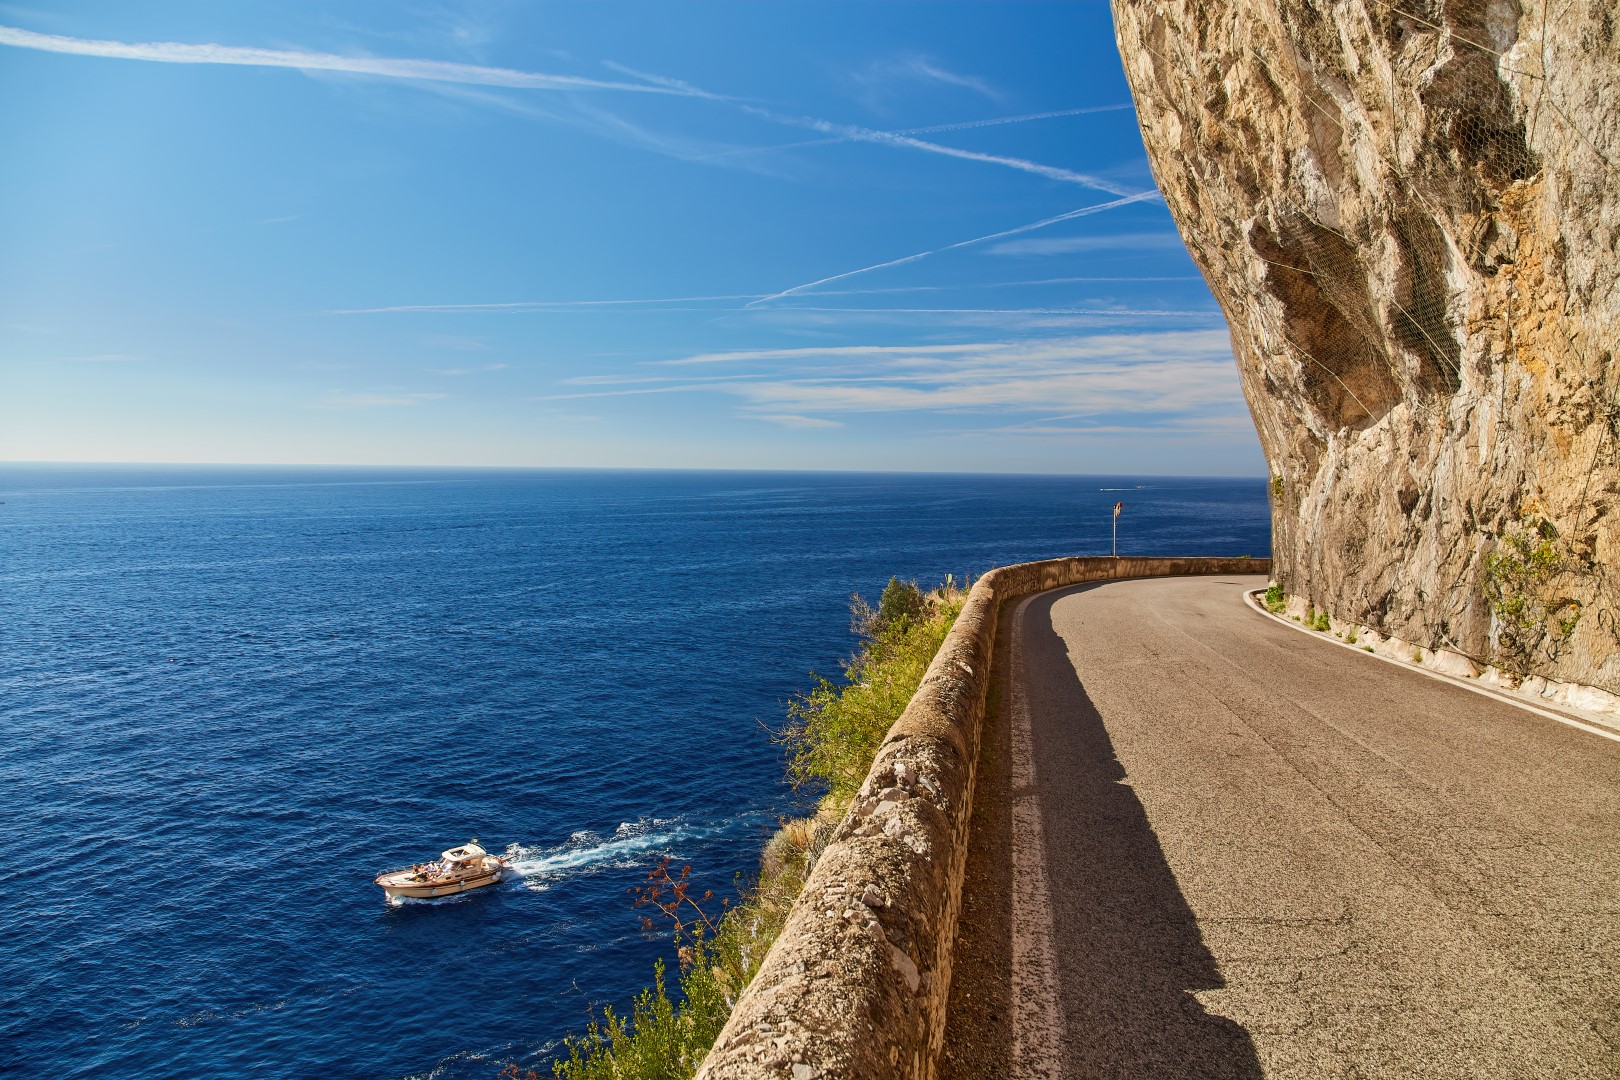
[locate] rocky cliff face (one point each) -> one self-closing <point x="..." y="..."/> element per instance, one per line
<point x="1410" y="212"/>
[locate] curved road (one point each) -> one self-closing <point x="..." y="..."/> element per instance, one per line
<point x="1236" y="850"/>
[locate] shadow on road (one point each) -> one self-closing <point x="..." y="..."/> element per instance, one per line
<point x="1126" y="943"/>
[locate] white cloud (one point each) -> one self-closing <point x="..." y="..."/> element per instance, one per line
<point x="340" y="400"/>
<point x="173" y="52"/>
<point x="610" y="125"/>
<point x="1052" y="114"/>
<point x="468" y="370"/>
<point x="863" y="352"/>
<point x="1084" y="211"/>
<point x="856" y="133"/>
<point x="792" y="421"/>
<point x="1098" y="312"/>
<point x="961" y="125"/>
<point x="540" y="306"/>
<point x="923" y="68"/>
<point x="514" y="306"/>
<point x="1167" y="379"/>
<point x="1066" y="245"/>
<point x="882" y="80"/>
<point x="455" y="342"/>
<point x="617" y="393"/>
<point x="1087" y="427"/>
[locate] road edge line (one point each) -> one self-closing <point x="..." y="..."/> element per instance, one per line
<point x="1485" y="691"/>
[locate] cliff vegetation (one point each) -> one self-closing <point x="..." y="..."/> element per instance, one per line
<point x="831" y="736"/>
<point x="1409" y="211"/>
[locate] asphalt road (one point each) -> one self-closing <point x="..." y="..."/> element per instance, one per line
<point x="1213" y="846"/>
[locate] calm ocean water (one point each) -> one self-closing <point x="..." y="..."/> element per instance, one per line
<point x="229" y="696"/>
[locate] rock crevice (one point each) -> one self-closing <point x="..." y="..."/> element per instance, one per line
<point x="1410" y="212"/>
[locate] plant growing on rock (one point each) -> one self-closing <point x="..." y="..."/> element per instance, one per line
<point x="832" y="735"/>
<point x="1529" y="621"/>
<point x="834" y="731"/>
<point x="1276" y="599"/>
<point x="666" y="1036"/>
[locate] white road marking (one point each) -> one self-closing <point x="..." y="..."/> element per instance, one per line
<point x="1484" y="691"/>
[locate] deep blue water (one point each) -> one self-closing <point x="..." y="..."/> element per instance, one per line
<point x="230" y="696"/>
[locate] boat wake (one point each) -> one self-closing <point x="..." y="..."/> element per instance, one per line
<point x="633" y="843"/>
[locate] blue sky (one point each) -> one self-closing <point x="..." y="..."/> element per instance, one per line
<point x="742" y="235"/>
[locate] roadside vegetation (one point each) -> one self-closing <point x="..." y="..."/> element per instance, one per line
<point x="834" y="731"/>
<point x="1530" y="621"/>
<point x="831" y="736"/>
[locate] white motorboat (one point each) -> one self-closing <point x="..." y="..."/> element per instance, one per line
<point x="456" y="871"/>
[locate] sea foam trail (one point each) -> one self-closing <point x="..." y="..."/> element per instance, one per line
<point x="631" y="843"/>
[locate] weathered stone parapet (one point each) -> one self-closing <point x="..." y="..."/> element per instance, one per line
<point x="856" y="984"/>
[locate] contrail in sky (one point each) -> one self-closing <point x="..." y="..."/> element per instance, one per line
<point x="1113" y="313"/>
<point x="539" y="305"/>
<point x="1084" y="211"/>
<point x="961" y="125"/>
<point x="856" y="133"/>
<point x="521" y="306"/>
<point x="173" y="52"/>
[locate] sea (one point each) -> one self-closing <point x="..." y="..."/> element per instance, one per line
<point x="230" y="696"/>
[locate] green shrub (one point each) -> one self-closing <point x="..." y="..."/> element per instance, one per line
<point x="1530" y="620"/>
<point x="899" y="607"/>
<point x="1276" y="599"/>
<point x="833" y="732"/>
<point x="667" y="1039"/>
<point x="1317" y="620"/>
<point x="832" y="735"/>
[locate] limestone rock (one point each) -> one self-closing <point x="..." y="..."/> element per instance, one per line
<point x="1410" y="212"/>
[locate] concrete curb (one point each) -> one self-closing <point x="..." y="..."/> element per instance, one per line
<point x="856" y="984"/>
<point x="1602" y="727"/>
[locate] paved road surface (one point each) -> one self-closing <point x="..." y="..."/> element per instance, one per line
<point x="1235" y="850"/>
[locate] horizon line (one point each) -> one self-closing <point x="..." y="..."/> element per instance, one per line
<point x="6" y="462"/>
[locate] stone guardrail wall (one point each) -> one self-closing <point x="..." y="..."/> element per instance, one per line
<point x="857" y="982"/>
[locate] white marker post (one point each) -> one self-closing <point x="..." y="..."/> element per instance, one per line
<point x="1117" y="508"/>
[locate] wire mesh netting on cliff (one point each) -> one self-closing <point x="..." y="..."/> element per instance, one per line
<point x="1410" y="210"/>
